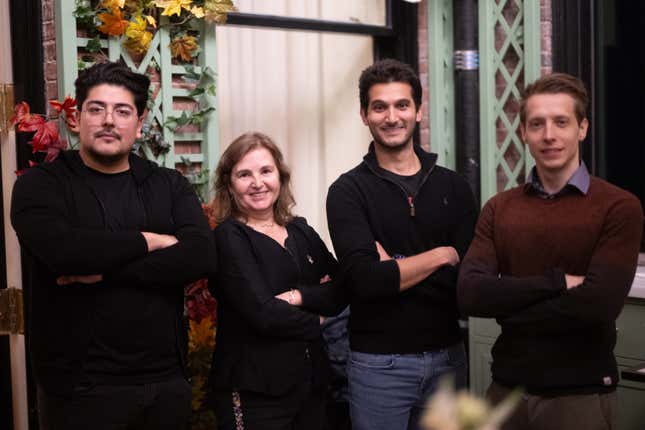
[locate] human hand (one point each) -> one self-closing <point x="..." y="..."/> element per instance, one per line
<point x="321" y="319"/>
<point x="78" y="279"/>
<point x="383" y="255"/>
<point x="573" y="280"/>
<point x="293" y="297"/>
<point x="157" y="241"/>
<point x="449" y="255"/>
<point x="324" y="279"/>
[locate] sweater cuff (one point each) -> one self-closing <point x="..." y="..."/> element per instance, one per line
<point x="558" y="279"/>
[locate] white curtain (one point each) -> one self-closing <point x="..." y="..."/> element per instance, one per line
<point x="300" y="88"/>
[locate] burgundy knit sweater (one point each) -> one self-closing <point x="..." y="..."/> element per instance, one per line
<point x="554" y="341"/>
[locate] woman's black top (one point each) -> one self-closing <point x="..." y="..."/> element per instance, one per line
<point x="264" y="344"/>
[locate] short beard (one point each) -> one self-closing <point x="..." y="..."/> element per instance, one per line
<point x="107" y="160"/>
<point x="391" y="148"/>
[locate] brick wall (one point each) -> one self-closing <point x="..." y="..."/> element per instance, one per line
<point x="49" y="49"/>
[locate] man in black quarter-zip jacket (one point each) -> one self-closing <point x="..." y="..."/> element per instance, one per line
<point x="399" y="224"/>
<point x="111" y="239"/>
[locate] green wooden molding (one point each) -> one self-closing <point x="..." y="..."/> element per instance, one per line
<point x="441" y="81"/>
<point x="523" y="37"/>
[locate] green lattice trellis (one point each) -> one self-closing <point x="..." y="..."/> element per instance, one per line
<point x="441" y="81"/>
<point x="509" y="39"/>
<point x="200" y="146"/>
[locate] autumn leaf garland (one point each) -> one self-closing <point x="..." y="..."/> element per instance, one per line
<point x="135" y="21"/>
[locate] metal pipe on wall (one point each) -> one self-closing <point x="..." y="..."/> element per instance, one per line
<point x="467" y="92"/>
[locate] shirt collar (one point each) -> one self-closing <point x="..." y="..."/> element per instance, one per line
<point x="580" y="181"/>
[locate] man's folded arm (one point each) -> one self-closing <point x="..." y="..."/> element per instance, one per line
<point x="601" y="296"/>
<point x="191" y="258"/>
<point x="42" y="223"/>
<point x="482" y="292"/>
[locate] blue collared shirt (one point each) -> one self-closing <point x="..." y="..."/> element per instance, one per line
<point x="579" y="181"/>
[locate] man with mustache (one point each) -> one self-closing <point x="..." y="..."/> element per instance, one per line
<point x="553" y="261"/>
<point x="399" y="224"/>
<point x="112" y="239"/>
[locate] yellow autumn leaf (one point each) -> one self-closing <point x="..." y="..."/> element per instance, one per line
<point x="173" y="7"/>
<point x="137" y="37"/>
<point x="111" y="4"/>
<point x="151" y="20"/>
<point x="198" y="11"/>
<point x="216" y="10"/>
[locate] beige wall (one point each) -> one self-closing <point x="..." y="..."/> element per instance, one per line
<point x="300" y="88"/>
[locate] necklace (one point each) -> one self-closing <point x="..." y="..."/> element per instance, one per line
<point x="261" y="226"/>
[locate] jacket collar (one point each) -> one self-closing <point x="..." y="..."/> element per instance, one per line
<point x="140" y="168"/>
<point x="427" y="159"/>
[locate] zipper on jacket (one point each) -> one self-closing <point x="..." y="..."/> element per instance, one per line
<point x="410" y="198"/>
<point x="411" y="203"/>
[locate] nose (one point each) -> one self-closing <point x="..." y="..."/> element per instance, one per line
<point x="108" y="114"/>
<point x="548" y="131"/>
<point x="257" y="182"/>
<point x="391" y="114"/>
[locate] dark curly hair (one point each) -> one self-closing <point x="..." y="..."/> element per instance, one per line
<point x="386" y="71"/>
<point x="113" y="74"/>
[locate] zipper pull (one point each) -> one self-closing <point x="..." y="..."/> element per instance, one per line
<point x="411" y="203"/>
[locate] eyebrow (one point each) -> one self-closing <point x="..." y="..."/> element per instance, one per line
<point x="103" y="104"/>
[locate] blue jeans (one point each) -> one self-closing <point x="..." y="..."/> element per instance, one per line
<point x="390" y="391"/>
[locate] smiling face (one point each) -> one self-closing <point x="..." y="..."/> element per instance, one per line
<point x="391" y="115"/>
<point x="255" y="184"/>
<point x="552" y="133"/>
<point x="108" y="126"/>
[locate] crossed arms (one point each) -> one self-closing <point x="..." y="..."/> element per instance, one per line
<point x="554" y="301"/>
<point x="40" y="214"/>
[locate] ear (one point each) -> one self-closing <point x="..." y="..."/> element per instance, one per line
<point x="582" y="132"/>
<point x="140" y="122"/>
<point x="363" y="116"/>
<point x="523" y="132"/>
<point x="419" y="114"/>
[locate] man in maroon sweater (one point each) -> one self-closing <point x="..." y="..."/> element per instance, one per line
<point x="553" y="261"/>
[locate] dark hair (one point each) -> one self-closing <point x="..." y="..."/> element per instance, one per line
<point x="224" y="205"/>
<point x="386" y="71"/>
<point x="113" y="74"/>
<point x="556" y="83"/>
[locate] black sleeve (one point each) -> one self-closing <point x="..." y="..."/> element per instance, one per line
<point x="242" y="286"/>
<point x="41" y="218"/>
<point x="363" y="275"/>
<point x="328" y="298"/>
<point x="184" y="262"/>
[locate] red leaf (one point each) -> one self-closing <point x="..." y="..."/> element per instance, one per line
<point x="68" y="105"/>
<point x="25" y="120"/>
<point x="46" y="135"/>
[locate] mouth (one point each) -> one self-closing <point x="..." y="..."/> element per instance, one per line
<point x="392" y="130"/>
<point x="258" y="194"/>
<point x="551" y="151"/>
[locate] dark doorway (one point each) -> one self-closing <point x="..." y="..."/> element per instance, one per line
<point x="619" y="93"/>
<point x="599" y="41"/>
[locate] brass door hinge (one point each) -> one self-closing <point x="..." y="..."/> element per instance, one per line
<point x="11" y="311"/>
<point x="6" y="107"/>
